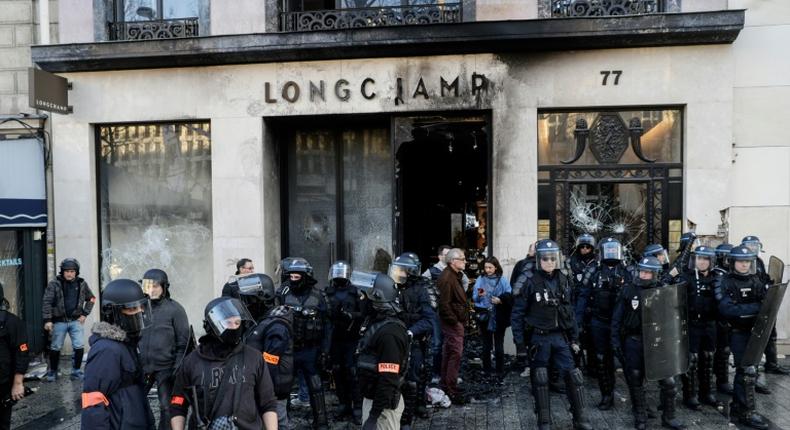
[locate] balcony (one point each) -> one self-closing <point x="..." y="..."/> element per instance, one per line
<point x="386" y="16"/>
<point x="154" y="29"/>
<point x="577" y="8"/>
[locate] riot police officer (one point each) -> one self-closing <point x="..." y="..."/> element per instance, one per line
<point x="771" y="359"/>
<point x="581" y="261"/>
<point x="668" y="273"/>
<point x="721" y="358"/>
<point x="312" y="330"/>
<point x="627" y="345"/>
<point x="598" y="297"/>
<point x="383" y="352"/>
<point x="700" y="281"/>
<point x="225" y="382"/>
<point x="113" y="391"/>
<point x="418" y="316"/>
<point x="163" y="346"/>
<point x="347" y="314"/>
<point x="740" y="295"/>
<point x="272" y="336"/>
<point x="14" y="359"/>
<point x="545" y="306"/>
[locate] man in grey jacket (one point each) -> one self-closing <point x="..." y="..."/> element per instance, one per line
<point x="67" y="302"/>
<point x="163" y="345"/>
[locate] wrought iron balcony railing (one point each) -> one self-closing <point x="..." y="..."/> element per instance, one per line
<point x="156" y="29"/>
<point x="568" y="8"/>
<point x="371" y="17"/>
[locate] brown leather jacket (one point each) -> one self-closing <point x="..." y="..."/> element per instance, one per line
<point x="453" y="306"/>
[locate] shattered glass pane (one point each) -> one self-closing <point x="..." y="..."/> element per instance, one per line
<point x="155" y="200"/>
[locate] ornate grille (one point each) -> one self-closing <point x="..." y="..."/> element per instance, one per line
<point x="568" y="8"/>
<point x="371" y="17"/>
<point x="156" y="29"/>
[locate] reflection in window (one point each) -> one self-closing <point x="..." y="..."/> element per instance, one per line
<point x="661" y="138"/>
<point x="145" y="10"/>
<point x="155" y="200"/>
<point x="11" y="267"/>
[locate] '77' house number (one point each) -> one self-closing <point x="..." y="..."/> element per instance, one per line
<point x="614" y="73"/>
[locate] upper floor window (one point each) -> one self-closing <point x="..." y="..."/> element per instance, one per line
<point x="154" y="19"/>
<point x="567" y="8"/>
<point x="310" y="15"/>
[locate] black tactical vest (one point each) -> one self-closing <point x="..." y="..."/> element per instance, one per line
<point x="308" y="323"/>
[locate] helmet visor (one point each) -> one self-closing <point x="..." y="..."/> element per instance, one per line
<point x="743" y="266"/>
<point x="339" y="271"/>
<point x="754" y="245"/>
<point x="549" y="260"/>
<point x="701" y="262"/>
<point x="134" y="316"/>
<point x="148" y="285"/>
<point x="398" y="273"/>
<point x="229" y="314"/>
<point x="611" y="251"/>
<point x="250" y="285"/>
<point x="364" y="281"/>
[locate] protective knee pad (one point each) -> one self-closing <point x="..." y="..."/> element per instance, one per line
<point x="576" y="377"/>
<point x="541" y="376"/>
<point x="667" y="384"/>
<point x="314" y="384"/>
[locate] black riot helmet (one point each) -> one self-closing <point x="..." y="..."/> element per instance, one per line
<point x="297" y="265"/>
<point x="69" y="264"/>
<point x="158" y="277"/>
<point x="256" y="291"/>
<point x="402" y="267"/>
<point x="723" y="255"/>
<point x="124" y="304"/>
<point x="742" y="253"/>
<point x="340" y="270"/>
<point x="226" y="319"/>
<point x="610" y="251"/>
<point x="585" y="239"/>
<point x="285" y="262"/>
<point x="380" y="289"/>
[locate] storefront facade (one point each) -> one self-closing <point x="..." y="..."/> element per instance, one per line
<point x="190" y="164"/>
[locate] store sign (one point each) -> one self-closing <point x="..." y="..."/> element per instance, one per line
<point x="342" y="89"/>
<point x="47" y="91"/>
<point x="9" y="262"/>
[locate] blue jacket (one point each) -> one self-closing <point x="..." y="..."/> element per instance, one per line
<point x="114" y="371"/>
<point x="494" y="286"/>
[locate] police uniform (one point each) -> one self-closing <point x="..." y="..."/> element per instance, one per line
<point x="582" y="268"/>
<point x="347" y="315"/>
<point x="546" y="309"/>
<point x="702" y="315"/>
<point x="272" y="337"/>
<point x="14" y="357"/>
<point x="721" y="358"/>
<point x="598" y="298"/>
<point x="627" y="345"/>
<point x="312" y="332"/>
<point x="740" y="297"/>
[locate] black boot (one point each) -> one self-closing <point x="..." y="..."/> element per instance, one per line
<point x="760" y="386"/>
<point x="409" y="391"/>
<point x="342" y="387"/>
<point x="317" y="402"/>
<point x="574" y="386"/>
<point x="499" y="358"/>
<point x="638" y="398"/>
<point x="605" y="383"/>
<point x="356" y="398"/>
<point x="721" y="367"/>
<point x="668" y="394"/>
<point x="689" y="382"/>
<point x="540" y="391"/>
<point x="705" y="374"/>
<point x="746" y="413"/>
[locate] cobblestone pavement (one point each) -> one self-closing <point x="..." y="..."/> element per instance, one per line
<point x="497" y="405"/>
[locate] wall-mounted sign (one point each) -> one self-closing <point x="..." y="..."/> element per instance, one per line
<point x="10" y="262"/>
<point x="47" y="91"/>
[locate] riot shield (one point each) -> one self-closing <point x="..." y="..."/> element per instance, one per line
<point x="766" y="319"/>
<point x="665" y="331"/>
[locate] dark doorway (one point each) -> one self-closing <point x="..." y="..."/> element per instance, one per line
<point x="442" y="181"/>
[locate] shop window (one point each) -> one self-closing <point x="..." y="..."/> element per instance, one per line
<point x="155" y="206"/>
<point x="611" y="173"/>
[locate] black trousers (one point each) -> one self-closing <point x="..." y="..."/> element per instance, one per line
<point x="5" y="412"/>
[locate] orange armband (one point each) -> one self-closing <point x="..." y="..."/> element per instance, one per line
<point x="94" y="398"/>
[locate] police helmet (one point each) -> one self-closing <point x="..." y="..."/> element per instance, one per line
<point x="125" y="305"/>
<point x="380" y="289"/>
<point x="723" y="255"/>
<point x="548" y="250"/>
<point x="610" y="250"/>
<point x="158" y="277"/>
<point x="297" y="265"/>
<point x="742" y="253"/>
<point x="753" y="243"/>
<point x="648" y="264"/>
<point x="226" y="318"/>
<point x="585" y="239"/>
<point x="404" y="266"/>
<point x="340" y="270"/>
<point x="69" y="264"/>
<point x="703" y="252"/>
<point x="657" y="251"/>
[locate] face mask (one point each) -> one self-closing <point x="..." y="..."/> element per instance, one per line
<point x="231" y="337"/>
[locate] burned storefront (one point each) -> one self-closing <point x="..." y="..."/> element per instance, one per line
<point x="350" y="143"/>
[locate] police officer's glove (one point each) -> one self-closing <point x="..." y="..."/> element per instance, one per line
<point x="411" y="335"/>
<point x="575" y="348"/>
